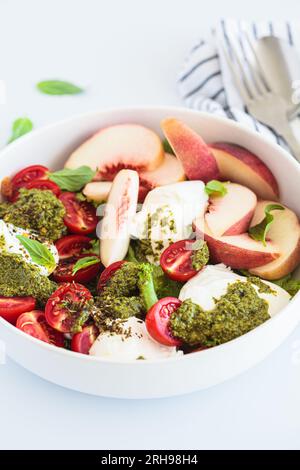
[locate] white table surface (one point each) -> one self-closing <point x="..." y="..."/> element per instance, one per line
<point x="128" y="52"/>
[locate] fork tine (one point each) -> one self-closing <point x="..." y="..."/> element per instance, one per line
<point x="247" y="83"/>
<point x="244" y="92"/>
<point x="260" y="74"/>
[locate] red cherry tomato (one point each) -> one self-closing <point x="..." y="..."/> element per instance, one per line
<point x="83" y="341"/>
<point x="80" y="215"/>
<point x="12" y="307"/>
<point x="107" y="274"/>
<point x="44" y="185"/>
<point x="64" y="270"/>
<point x="34" y="324"/>
<point x="157" y="321"/>
<point x="30" y="173"/>
<point x="72" y="245"/>
<point x="176" y="261"/>
<point x="61" y="304"/>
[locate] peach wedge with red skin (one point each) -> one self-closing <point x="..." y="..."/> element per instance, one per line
<point x="241" y="166"/>
<point x="231" y="214"/>
<point x="195" y="156"/>
<point x="285" y="233"/>
<point x="119" y="212"/>
<point x="97" y="191"/>
<point x="239" y="251"/>
<point x="130" y="146"/>
<point x="225" y="161"/>
<point x="170" y="171"/>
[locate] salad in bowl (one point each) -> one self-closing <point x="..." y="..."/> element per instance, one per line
<point x="141" y="248"/>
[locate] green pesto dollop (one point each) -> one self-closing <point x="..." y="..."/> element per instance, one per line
<point x="124" y="294"/>
<point x="36" y="210"/>
<point x="235" y="313"/>
<point x="120" y="297"/>
<point x="263" y="288"/>
<point x="200" y="257"/>
<point x="18" y="278"/>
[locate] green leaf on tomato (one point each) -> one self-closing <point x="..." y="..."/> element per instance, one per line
<point x="72" y="179"/>
<point x="85" y="263"/>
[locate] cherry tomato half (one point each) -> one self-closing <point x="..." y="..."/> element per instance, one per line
<point x="61" y="306"/>
<point x="64" y="270"/>
<point x="107" y="274"/>
<point x="176" y="261"/>
<point x="80" y="216"/>
<point x="157" y="321"/>
<point x="44" y="185"/>
<point x="83" y="341"/>
<point x="72" y="245"/>
<point x="34" y="324"/>
<point x="30" y="173"/>
<point x="12" y="307"/>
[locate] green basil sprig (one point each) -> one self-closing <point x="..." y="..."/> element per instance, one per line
<point x="72" y="180"/>
<point x="38" y="252"/>
<point x="85" y="263"/>
<point x="21" y="126"/>
<point x="215" y="188"/>
<point x="58" y="87"/>
<point x="167" y="147"/>
<point x="259" y="231"/>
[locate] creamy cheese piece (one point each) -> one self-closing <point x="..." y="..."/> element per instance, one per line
<point x="212" y="282"/>
<point x="10" y="244"/>
<point x="134" y="344"/>
<point x="167" y="214"/>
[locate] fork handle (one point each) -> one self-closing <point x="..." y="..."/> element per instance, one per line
<point x="294" y="144"/>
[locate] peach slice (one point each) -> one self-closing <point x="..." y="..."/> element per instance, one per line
<point x="121" y="146"/>
<point x="170" y="171"/>
<point x="285" y="233"/>
<point x="237" y="251"/>
<point x="241" y="166"/>
<point x="119" y="212"/>
<point x="197" y="159"/>
<point x="231" y="214"/>
<point x="97" y="191"/>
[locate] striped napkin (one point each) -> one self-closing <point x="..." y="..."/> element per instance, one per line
<point x="205" y="81"/>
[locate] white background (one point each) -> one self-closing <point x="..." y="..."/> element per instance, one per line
<point x="129" y="52"/>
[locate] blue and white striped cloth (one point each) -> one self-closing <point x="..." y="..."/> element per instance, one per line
<point x="205" y="81"/>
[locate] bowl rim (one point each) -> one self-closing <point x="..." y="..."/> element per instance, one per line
<point x="166" y="109"/>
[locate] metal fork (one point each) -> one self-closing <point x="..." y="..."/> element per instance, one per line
<point x="266" y="106"/>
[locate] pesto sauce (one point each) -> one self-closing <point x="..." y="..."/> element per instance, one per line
<point x="235" y="313"/>
<point x="36" y="210"/>
<point x="200" y="257"/>
<point x="2" y="242"/>
<point x="19" y="278"/>
<point x="263" y="288"/>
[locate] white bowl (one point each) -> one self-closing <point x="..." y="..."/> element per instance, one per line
<point x="149" y="379"/>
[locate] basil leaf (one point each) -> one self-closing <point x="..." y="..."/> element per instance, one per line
<point x="72" y="180"/>
<point x="167" y="147"/>
<point x="215" y="188"/>
<point x="85" y="263"/>
<point x="21" y="126"/>
<point x="38" y="252"/>
<point x="259" y="231"/>
<point x="58" y="87"/>
<point x="292" y="286"/>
